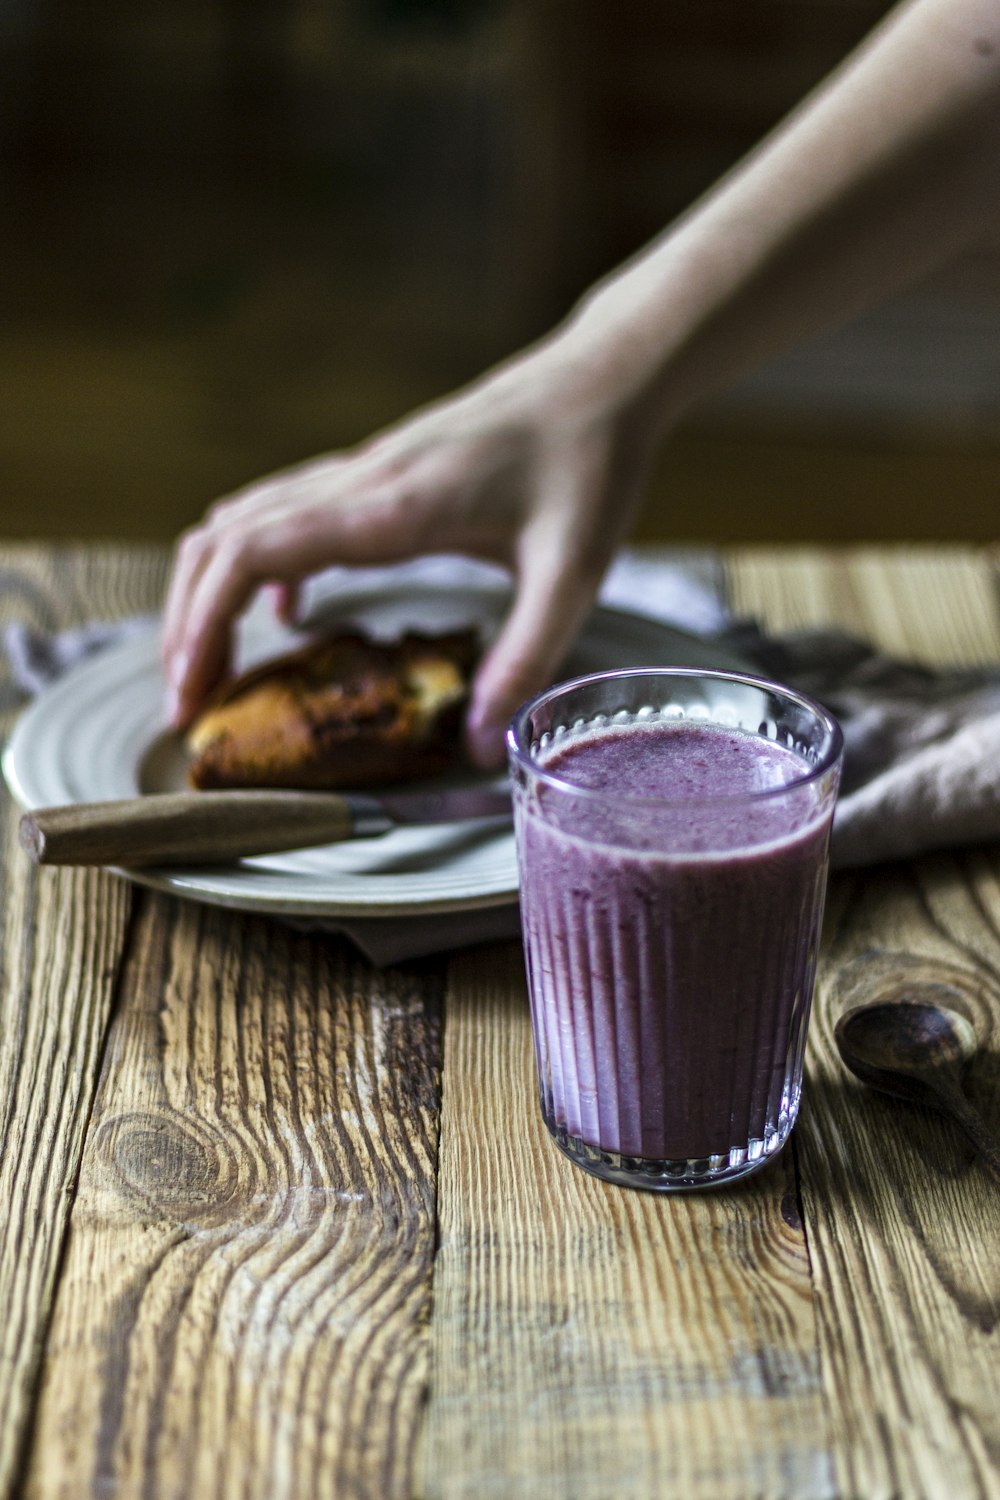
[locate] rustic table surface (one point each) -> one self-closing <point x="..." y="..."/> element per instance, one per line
<point x="274" y="1223"/>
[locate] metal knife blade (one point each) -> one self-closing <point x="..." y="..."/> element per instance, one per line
<point x="449" y="805"/>
<point x="182" y="828"/>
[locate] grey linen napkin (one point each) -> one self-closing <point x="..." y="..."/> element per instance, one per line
<point x="922" y="747"/>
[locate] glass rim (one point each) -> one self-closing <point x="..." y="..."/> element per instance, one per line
<point x="834" y="734"/>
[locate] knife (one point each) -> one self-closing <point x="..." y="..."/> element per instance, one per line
<point x="178" y="828"/>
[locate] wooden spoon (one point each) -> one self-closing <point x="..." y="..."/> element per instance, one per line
<point x="917" y="1051"/>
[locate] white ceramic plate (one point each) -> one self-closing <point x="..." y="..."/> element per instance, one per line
<point x="100" y="733"/>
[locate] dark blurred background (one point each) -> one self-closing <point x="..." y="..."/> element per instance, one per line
<point x="239" y="232"/>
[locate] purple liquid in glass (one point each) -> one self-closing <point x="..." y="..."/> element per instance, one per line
<point x="671" y="944"/>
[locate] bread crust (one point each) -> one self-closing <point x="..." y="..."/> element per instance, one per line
<point x="343" y="711"/>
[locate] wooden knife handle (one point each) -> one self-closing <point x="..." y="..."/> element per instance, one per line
<point x="184" y="827"/>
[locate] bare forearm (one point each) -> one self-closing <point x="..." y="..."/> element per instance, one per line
<point x="886" y="172"/>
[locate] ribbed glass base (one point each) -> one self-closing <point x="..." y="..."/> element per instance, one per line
<point x="672" y="1176"/>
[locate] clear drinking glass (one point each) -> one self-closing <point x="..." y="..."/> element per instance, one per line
<point x="671" y="910"/>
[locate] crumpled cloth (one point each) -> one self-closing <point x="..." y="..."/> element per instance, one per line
<point x="922" y="757"/>
<point x="38" y="657"/>
<point x="921" y="746"/>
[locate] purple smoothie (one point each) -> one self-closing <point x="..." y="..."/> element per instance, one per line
<point x="671" y="991"/>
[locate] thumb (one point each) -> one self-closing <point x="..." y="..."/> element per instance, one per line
<point x="551" y="602"/>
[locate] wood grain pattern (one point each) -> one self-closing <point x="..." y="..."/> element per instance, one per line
<point x="937" y="604"/>
<point x="903" y="1221"/>
<point x="244" y="1291"/>
<point x="245" y="1298"/>
<point x="239" y="1257"/>
<point x="61" y="937"/>
<point x="590" y="1342"/>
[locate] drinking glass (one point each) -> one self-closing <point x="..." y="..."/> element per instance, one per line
<point x="671" y="934"/>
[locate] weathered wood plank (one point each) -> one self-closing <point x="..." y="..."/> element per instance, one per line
<point x="244" y="1304"/>
<point x="903" y="1224"/>
<point x="935" y="603"/>
<point x="61" y="939"/>
<point x="590" y="1342"/>
<point x="246" y="1284"/>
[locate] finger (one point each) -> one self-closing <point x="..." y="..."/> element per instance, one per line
<point x="185" y="687"/>
<point x="552" y="599"/>
<point x="285" y="599"/>
<point x="257" y="506"/>
<point x="245" y="511"/>
<point x="185" y="691"/>
<point x="281" y="546"/>
<point x="189" y="559"/>
<point x="233" y="567"/>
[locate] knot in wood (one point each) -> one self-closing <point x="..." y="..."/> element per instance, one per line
<point x="177" y="1167"/>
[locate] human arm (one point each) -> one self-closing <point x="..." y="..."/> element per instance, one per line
<point x="885" y="172"/>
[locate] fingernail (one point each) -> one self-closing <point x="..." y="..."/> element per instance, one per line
<point x="173" y="707"/>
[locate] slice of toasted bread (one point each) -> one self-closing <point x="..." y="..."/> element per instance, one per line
<point x="345" y="711"/>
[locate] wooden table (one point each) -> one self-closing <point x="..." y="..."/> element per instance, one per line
<point x="277" y="1224"/>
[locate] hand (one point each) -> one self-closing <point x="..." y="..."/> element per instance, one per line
<point x="537" y="467"/>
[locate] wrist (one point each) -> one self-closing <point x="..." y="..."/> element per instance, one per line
<point x="637" y="332"/>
